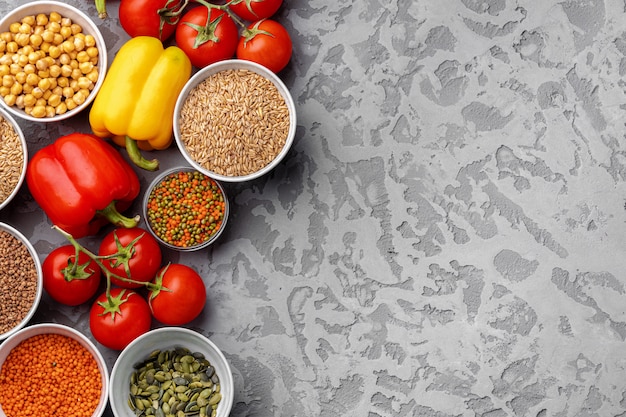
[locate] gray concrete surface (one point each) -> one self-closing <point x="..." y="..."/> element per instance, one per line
<point x="446" y="237"/>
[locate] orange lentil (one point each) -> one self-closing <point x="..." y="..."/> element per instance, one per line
<point x="50" y="375"/>
<point x="186" y="208"/>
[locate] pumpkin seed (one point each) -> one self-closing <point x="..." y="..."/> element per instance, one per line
<point x="174" y="383"/>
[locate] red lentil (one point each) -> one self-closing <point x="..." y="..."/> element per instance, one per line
<point x="186" y="208"/>
<point x="50" y="375"/>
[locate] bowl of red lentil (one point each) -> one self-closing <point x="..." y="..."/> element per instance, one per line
<point x="13" y="158"/>
<point x="234" y="120"/>
<point x="53" y="60"/>
<point x="185" y="209"/>
<point x="52" y="370"/>
<point x="21" y="281"/>
<point x="171" y="369"/>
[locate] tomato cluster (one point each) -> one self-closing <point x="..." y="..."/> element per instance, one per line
<point x="209" y="32"/>
<point x="138" y="286"/>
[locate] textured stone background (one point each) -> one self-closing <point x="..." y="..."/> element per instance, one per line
<point x="446" y="237"/>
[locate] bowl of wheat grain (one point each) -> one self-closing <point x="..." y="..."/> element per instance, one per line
<point x="234" y="121"/>
<point x="13" y="158"/>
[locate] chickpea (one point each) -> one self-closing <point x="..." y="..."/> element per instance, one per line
<point x="47" y="36"/>
<point x="54" y="70"/>
<point x="93" y="76"/>
<point x="37" y="92"/>
<point x="71" y="104"/>
<point x="54" y="100"/>
<point x="61" y="108"/>
<point x="36" y="40"/>
<point x="29" y="100"/>
<point x="66" y="32"/>
<point x="29" y="20"/>
<point x="14" y="27"/>
<point x="32" y="79"/>
<point x="63" y="82"/>
<point x="10" y="99"/>
<point x="76" y="29"/>
<point x="54" y="27"/>
<point x="20" y="77"/>
<point x="66" y="71"/>
<point x="41" y="19"/>
<point x="85" y="67"/>
<point x="68" y="92"/>
<point x="25" y="28"/>
<point x="29" y="69"/>
<point x="16" y="89"/>
<point x="48" y="66"/>
<point x="38" y="112"/>
<point x="8" y="80"/>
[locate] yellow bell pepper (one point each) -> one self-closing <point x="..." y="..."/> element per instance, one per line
<point x="135" y="105"/>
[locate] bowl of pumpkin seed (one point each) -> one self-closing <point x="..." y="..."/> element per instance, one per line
<point x="171" y="371"/>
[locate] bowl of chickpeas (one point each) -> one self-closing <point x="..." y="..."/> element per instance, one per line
<point x="53" y="60"/>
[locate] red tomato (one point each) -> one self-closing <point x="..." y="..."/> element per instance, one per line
<point x="252" y="10"/>
<point x="205" y="40"/>
<point x="179" y="297"/>
<point x="149" y="17"/>
<point x="67" y="281"/>
<point x="266" y="42"/>
<point x="137" y="256"/>
<point x="121" y="320"/>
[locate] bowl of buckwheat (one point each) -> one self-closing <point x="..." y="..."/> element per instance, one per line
<point x="53" y="61"/>
<point x="21" y="281"/>
<point x="235" y="120"/>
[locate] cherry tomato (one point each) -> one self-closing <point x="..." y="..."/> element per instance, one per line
<point x="67" y="281"/>
<point x="266" y="42"/>
<point x="117" y="322"/>
<point x="205" y="40"/>
<point x="252" y="10"/>
<point x="138" y="256"/>
<point x="179" y="297"/>
<point x="149" y="17"/>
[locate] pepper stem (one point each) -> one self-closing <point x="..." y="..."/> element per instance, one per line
<point x="112" y="215"/>
<point x="135" y="155"/>
<point x="101" y="8"/>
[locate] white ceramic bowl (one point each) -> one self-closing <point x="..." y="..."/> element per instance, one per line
<point x="10" y="229"/>
<point x="165" y="339"/>
<point x="24" y="149"/>
<point x="52" y="328"/>
<point x="88" y="27"/>
<point x="235" y="64"/>
<point x="151" y="227"/>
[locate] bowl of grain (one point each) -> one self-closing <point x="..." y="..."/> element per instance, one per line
<point x="13" y="158"/>
<point x="59" y="368"/>
<point x="21" y="280"/>
<point x="171" y="369"/>
<point x="54" y="61"/>
<point x="234" y="121"/>
<point x="185" y="209"/>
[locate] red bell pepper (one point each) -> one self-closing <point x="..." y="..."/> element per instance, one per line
<point x="82" y="182"/>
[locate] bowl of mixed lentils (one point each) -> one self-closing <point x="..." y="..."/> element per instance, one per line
<point x="234" y="120"/>
<point x="13" y="158"/>
<point x="21" y="281"/>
